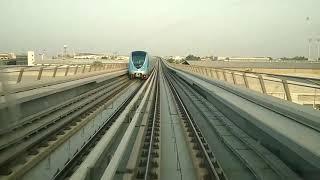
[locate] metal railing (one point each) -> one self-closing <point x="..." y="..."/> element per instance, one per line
<point x="18" y="74"/>
<point x="300" y="90"/>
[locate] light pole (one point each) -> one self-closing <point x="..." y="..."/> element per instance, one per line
<point x="65" y="51"/>
<point x="318" y="45"/>
<point x="308" y="20"/>
<point x="309" y="48"/>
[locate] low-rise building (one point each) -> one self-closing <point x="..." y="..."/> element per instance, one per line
<point x="88" y="56"/>
<point x="17" y="59"/>
<point x="224" y="58"/>
<point x="7" y="56"/>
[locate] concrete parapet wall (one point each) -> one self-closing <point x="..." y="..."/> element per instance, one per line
<point x="20" y="107"/>
<point x="299" y="90"/>
<point x="26" y="74"/>
<point x="264" y="65"/>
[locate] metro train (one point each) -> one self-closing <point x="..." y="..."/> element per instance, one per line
<point x="140" y="65"/>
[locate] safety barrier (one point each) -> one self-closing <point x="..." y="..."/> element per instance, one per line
<point x="17" y="75"/>
<point x="306" y="91"/>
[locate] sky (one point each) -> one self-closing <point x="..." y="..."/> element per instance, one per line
<point x="274" y="28"/>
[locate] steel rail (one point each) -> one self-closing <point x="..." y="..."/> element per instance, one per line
<point x="111" y="169"/>
<point x="85" y="150"/>
<point x="233" y="133"/>
<point x="149" y="157"/>
<point x="211" y="168"/>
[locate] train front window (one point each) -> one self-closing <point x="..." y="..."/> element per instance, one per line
<point x="138" y="58"/>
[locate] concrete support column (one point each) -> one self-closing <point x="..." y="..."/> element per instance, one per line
<point x="40" y="73"/>
<point x="67" y="70"/>
<point x="211" y="73"/>
<point x="224" y="75"/>
<point x="234" y="78"/>
<point x="263" y="86"/>
<point x="217" y="74"/>
<point x="202" y="71"/>
<point x="207" y="73"/>
<point x="286" y="89"/>
<point x="20" y="75"/>
<point x="245" y="80"/>
<point x="76" y="70"/>
<point x="84" y="68"/>
<point x="55" y="71"/>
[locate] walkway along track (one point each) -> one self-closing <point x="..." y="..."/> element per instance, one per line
<point x="239" y="155"/>
<point x="206" y="159"/>
<point x="52" y="130"/>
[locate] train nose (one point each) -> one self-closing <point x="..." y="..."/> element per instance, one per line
<point x="144" y="76"/>
<point x="137" y="74"/>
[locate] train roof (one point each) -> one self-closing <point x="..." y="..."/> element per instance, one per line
<point x="139" y="52"/>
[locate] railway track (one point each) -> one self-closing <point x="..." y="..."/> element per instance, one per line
<point x="50" y="116"/>
<point x="208" y="165"/>
<point x="240" y="155"/>
<point x="38" y="139"/>
<point x="164" y="127"/>
<point x="149" y="160"/>
<point x="109" y="158"/>
<point x="72" y="165"/>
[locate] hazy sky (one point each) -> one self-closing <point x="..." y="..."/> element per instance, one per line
<point x="163" y="27"/>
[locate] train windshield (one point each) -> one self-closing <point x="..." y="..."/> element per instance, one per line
<point x="138" y="58"/>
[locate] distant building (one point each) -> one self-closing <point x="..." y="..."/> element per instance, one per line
<point x="241" y="58"/>
<point x="88" y="56"/>
<point x="30" y="58"/>
<point x="122" y="58"/>
<point x="249" y="58"/>
<point x="176" y="59"/>
<point x="7" y="56"/>
<point x="219" y="58"/>
<point x="19" y="59"/>
<point x="206" y="58"/>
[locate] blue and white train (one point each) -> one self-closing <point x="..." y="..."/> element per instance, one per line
<point x="140" y="64"/>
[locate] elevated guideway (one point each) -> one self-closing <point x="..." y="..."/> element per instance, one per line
<point x="286" y="130"/>
<point x="180" y="123"/>
<point x="297" y="89"/>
